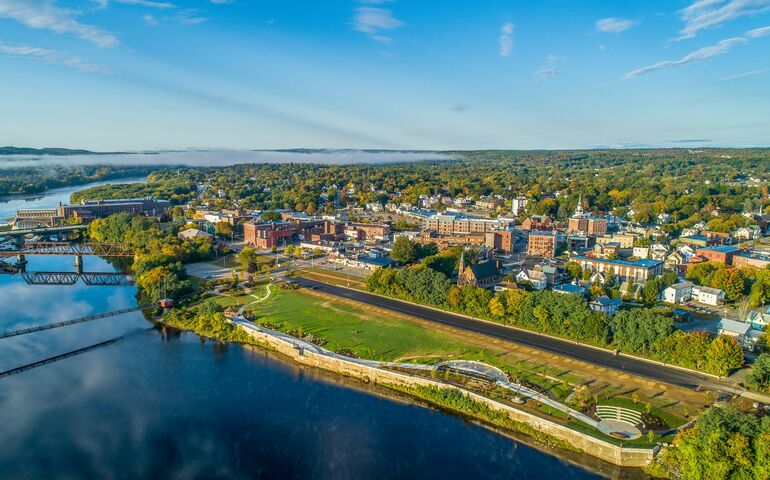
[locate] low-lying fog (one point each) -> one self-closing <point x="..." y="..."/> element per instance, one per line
<point x="214" y="158"/>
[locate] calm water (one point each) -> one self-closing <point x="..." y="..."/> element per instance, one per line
<point x="154" y="405"/>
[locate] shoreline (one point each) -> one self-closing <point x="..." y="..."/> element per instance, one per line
<point x="585" y="451"/>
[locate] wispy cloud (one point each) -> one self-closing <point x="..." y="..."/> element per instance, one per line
<point x="758" y="32"/>
<point x="148" y="4"/>
<point x="596" y="87"/>
<point x="550" y="69"/>
<point x="506" y="39"/>
<point x="706" y="14"/>
<point x="55" y="57"/>
<point x="720" y="48"/>
<point x="745" y="74"/>
<point x="459" y="108"/>
<point x="374" y="21"/>
<point x="44" y="14"/>
<point x="613" y="25"/>
<point x="189" y="16"/>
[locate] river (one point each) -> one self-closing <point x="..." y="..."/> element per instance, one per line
<point x="156" y="404"/>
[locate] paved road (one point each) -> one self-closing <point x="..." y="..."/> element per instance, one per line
<point x="565" y="348"/>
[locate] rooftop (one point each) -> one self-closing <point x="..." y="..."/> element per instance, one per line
<point x="720" y="249"/>
<point x="646" y="263"/>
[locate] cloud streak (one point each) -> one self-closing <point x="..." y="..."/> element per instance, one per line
<point x="719" y="48"/>
<point x="506" y="39"/>
<point x="613" y="25"/>
<point x="707" y="14"/>
<point x="374" y="21"/>
<point x="745" y="74"/>
<point x="550" y="69"/>
<point x="45" y="15"/>
<point x="54" y="57"/>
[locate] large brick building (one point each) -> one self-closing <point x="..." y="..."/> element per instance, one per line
<point x="591" y="226"/>
<point x="276" y="234"/>
<point x="639" y="270"/>
<point x="543" y="244"/>
<point x="720" y="254"/>
<point x="502" y="240"/>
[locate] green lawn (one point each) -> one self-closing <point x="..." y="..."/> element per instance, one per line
<point x="379" y="336"/>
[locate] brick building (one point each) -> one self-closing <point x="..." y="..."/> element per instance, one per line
<point x="721" y="254"/>
<point x="502" y="240"/>
<point x="543" y="244"/>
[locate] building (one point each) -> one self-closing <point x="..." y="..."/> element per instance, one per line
<point x="570" y="289"/>
<point x="677" y="293"/>
<point x="482" y="274"/>
<point x="457" y="224"/>
<point x="372" y="232"/>
<point x="720" y="254"/>
<point x="587" y="225"/>
<point x="606" y="305"/>
<point x="543" y="244"/>
<point x="268" y="235"/>
<point x="638" y="270"/>
<point x="737" y="330"/>
<point x="753" y="259"/>
<point x="536" y="278"/>
<point x="708" y="295"/>
<point x="537" y="223"/>
<point x="88" y="210"/>
<point x="192" y="234"/>
<point x="625" y="240"/>
<point x="518" y="205"/>
<point x="501" y="241"/>
<point x="489" y="203"/>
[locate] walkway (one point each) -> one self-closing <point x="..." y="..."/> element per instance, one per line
<point x="259" y="300"/>
<point x="499" y="377"/>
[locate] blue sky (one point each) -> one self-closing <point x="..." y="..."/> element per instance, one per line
<point x="412" y="74"/>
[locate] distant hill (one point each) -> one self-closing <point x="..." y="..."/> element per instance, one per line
<point x="43" y="151"/>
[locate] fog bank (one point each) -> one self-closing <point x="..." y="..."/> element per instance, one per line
<point x="218" y="158"/>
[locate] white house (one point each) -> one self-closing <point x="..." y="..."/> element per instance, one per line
<point x="678" y="293"/>
<point x="708" y="295"/>
<point x="641" y="252"/>
<point x="737" y="330"/>
<point x="537" y="279"/>
<point x="606" y="305"/>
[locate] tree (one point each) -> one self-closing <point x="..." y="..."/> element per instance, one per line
<point x="290" y="250"/>
<point x="723" y="355"/>
<point x="271" y="216"/>
<point x="759" y="377"/>
<point x="730" y="280"/>
<point x="247" y="256"/>
<point x="638" y="328"/>
<point x="404" y="250"/>
<point x="223" y="228"/>
<point x="574" y="270"/>
<point x="760" y="289"/>
<point x="497" y="307"/>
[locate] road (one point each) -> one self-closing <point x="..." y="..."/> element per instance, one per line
<point x="603" y="358"/>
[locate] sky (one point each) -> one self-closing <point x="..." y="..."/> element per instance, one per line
<point x="395" y="74"/>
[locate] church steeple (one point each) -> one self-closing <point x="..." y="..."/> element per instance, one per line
<point x="579" y="208"/>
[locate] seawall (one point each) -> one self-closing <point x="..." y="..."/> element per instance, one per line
<point x="617" y="455"/>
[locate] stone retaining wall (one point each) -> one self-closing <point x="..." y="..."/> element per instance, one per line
<point x="624" y="457"/>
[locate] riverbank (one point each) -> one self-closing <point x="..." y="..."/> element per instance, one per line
<point x="443" y="395"/>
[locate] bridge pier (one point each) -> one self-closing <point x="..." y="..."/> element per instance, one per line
<point x="21" y="262"/>
<point x="79" y="263"/>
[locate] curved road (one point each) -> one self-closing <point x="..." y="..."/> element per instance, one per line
<point x="564" y="348"/>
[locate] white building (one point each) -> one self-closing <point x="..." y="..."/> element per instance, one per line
<point x="708" y="295"/>
<point x="678" y="293"/>
<point x="641" y="252"/>
<point x="518" y="204"/>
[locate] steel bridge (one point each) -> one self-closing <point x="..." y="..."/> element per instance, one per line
<point x="74" y="321"/>
<point x="94" y="279"/>
<point x="67" y="248"/>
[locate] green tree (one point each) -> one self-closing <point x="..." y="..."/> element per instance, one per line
<point x="404" y="250"/>
<point x="574" y="270"/>
<point x="723" y="355"/>
<point x="759" y="377"/>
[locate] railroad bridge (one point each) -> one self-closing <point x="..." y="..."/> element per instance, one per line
<point x="78" y="250"/>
